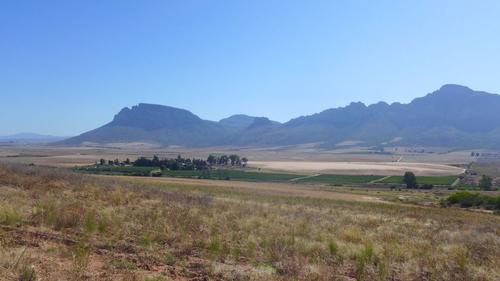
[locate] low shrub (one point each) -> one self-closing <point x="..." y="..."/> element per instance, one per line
<point x="467" y="199"/>
<point x="28" y="273"/>
<point x="9" y="216"/>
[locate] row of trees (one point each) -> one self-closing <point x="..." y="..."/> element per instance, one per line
<point x="174" y="164"/>
<point x="115" y="162"/>
<point x="224" y="160"/>
<point x="180" y="163"/>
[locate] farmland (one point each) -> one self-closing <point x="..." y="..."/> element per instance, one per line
<point x="217" y="174"/>
<point x="253" y="175"/>
<point x="304" y="221"/>
<point x="339" y="179"/>
<point x="443" y="180"/>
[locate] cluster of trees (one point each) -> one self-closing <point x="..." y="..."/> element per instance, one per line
<point x="224" y="160"/>
<point x="181" y="163"/>
<point x="115" y="162"/>
<point x="173" y="164"/>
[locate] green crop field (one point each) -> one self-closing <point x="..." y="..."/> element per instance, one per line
<point x="116" y="170"/>
<point x="224" y="174"/>
<point x="443" y="180"/>
<point x="218" y="174"/>
<point x="339" y="179"/>
<point x="241" y="175"/>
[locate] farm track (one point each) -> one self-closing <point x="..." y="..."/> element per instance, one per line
<point x="456" y="182"/>
<point x="303" y="178"/>
<point x="380" y="180"/>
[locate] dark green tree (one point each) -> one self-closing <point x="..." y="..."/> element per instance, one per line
<point x="486" y="182"/>
<point x="102" y="161"/>
<point x="244" y="161"/>
<point x="156" y="160"/>
<point x="410" y="180"/>
<point x="235" y="159"/>
<point x="212" y="160"/>
<point x="223" y="160"/>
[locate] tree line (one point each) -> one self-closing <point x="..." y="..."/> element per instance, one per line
<point x="224" y="160"/>
<point x="181" y="163"/>
<point x="173" y="164"/>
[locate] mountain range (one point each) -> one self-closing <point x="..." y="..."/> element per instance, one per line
<point x="30" y="138"/>
<point x="453" y="116"/>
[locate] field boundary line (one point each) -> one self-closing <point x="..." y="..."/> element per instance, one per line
<point x="306" y="177"/>
<point x="456" y="182"/>
<point x="380" y="179"/>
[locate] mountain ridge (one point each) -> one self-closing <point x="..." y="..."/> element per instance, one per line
<point x="30" y="138"/>
<point x="452" y="116"/>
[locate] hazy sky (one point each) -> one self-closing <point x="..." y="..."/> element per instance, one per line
<point x="69" y="66"/>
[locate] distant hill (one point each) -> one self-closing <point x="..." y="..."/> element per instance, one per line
<point x="241" y="122"/>
<point x="30" y="138"/>
<point x="453" y="116"/>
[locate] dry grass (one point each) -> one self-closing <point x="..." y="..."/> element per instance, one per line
<point x="56" y="225"/>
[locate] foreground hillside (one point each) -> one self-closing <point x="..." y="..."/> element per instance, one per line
<point x="61" y="226"/>
<point x="453" y="116"/>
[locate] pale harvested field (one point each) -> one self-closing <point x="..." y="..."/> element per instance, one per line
<point x="75" y="156"/>
<point x="361" y="168"/>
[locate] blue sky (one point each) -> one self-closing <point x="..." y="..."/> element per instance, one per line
<point x="69" y="66"/>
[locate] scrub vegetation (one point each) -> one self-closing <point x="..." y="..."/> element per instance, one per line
<point x="58" y="225"/>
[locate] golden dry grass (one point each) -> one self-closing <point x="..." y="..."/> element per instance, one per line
<point x="61" y="226"/>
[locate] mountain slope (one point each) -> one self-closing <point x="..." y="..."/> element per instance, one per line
<point x="155" y="124"/>
<point x="237" y="122"/>
<point x="453" y="116"/>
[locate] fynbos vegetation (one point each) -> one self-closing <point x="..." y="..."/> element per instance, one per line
<point x="467" y="199"/>
<point x="142" y="229"/>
